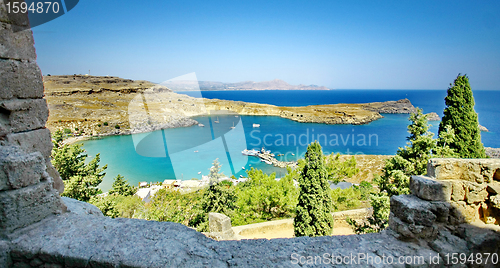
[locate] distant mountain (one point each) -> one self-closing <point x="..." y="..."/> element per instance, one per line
<point x="275" y="84"/>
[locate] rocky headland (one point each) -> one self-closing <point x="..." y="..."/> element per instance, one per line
<point x="93" y="105"/>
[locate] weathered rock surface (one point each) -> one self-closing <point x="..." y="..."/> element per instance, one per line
<point x="429" y="189"/>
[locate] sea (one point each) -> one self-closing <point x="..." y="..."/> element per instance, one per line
<point x="188" y="153"/>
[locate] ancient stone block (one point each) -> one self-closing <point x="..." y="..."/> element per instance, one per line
<point x="409" y="230"/>
<point x="480" y="239"/>
<point x="20" y="115"/>
<point x="81" y="208"/>
<point x="25" y="206"/>
<point x="20" y="79"/>
<point x="33" y="141"/>
<point x="489" y="214"/>
<point x="19" y="169"/>
<point x="5" y="248"/>
<point x="411" y="209"/>
<point x="458" y="190"/>
<point x="58" y="183"/>
<point x="460" y="212"/>
<point x="430" y="189"/>
<point x="16" y="45"/>
<point x="493" y="188"/>
<point x="441" y="209"/>
<point x="495" y="201"/>
<point x="475" y="193"/>
<point x="473" y="170"/>
<point x="219" y="222"/>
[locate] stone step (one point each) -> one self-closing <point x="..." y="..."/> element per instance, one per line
<point x="430" y="189"/>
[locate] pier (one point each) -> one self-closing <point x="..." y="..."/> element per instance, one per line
<point x="269" y="159"/>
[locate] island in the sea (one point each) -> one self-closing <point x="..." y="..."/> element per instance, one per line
<point x="96" y="105"/>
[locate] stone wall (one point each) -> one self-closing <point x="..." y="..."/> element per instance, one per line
<point x="27" y="178"/>
<point x="455" y="193"/>
<point x="23" y="110"/>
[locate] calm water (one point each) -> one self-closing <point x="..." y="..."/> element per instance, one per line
<point x="183" y="153"/>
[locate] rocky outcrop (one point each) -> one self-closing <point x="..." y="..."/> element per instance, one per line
<point x="403" y="106"/>
<point x="483" y="129"/>
<point x="433" y="117"/>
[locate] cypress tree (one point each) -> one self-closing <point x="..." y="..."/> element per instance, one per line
<point x="460" y="115"/>
<point x="314" y="205"/>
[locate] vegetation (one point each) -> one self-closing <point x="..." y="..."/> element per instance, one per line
<point x="173" y="206"/>
<point x="351" y="198"/>
<point x="80" y="179"/>
<point x="313" y="214"/>
<point x="459" y="114"/>
<point x="219" y="198"/>
<point x="410" y="160"/>
<point x="263" y="198"/>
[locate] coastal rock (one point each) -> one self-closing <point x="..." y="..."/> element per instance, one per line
<point x="492" y="152"/>
<point x="433" y="117"/>
<point x="403" y="106"/>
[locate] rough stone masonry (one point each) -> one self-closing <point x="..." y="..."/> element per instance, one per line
<point x="454" y="210"/>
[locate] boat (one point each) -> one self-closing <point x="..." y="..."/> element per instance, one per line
<point x="199" y="173"/>
<point x="242" y="167"/>
<point x="268" y="162"/>
<point x="196" y="151"/>
<point x="232" y="126"/>
<point x="256" y="125"/>
<point x="201" y="125"/>
<point x="217" y="121"/>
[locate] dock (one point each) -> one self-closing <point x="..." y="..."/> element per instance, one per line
<point x="268" y="158"/>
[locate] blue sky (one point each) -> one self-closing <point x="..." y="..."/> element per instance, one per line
<point x="338" y="44"/>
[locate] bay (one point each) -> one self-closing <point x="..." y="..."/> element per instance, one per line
<point x="186" y="153"/>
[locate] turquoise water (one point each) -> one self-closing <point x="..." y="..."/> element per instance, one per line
<point x="183" y="153"/>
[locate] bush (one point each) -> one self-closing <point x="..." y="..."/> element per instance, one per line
<point x="117" y="126"/>
<point x="67" y="131"/>
<point x="105" y="123"/>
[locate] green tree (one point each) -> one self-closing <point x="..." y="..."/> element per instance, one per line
<point x="420" y="143"/>
<point x="80" y="179"/>
<point x="172" y="206"/>
<point x="338" y="170"/>
<point x="220" y="197"/>
<point x="263" y="198"/>
<point x="460" y="115"/>
<point x="121" y="187"/>
<point x="313" y="215"/>
<point x="215" y="175"/>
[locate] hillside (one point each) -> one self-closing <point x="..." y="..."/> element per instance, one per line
<point x="90" y="105"/>
<point x="275" y="84"/>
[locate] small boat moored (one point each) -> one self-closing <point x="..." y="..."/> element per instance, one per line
<point x="256" y="125"/>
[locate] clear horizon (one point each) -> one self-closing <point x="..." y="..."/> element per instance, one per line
<point x="336" y="44"/>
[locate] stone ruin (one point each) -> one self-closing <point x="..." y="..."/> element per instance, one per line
<point x="453" y="210"/>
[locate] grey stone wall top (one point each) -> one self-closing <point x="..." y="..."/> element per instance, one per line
<point x="74" y="240"/>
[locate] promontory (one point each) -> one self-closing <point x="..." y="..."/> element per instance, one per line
<point x="96" y="105"/>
